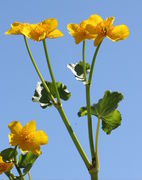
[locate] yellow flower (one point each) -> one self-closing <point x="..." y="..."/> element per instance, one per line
<point x="79" y="32"/>
<point x="27" y="138"/>
<point x="5" y="167"/>
<point x="105" y="28"/>
<point x="36" y="32"/>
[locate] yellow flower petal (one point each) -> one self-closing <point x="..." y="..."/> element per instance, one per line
<point x="98" y="40"/>
<point x="91" y="29"/>
<point x="94" y="19"/>
<point x="55" y="34"/>
<point x="27" y="28"/>
<point x="83" y="24"/>
<point x="45" y="29"/>
<point x="30" y="126"/>
<point x="49" y="24"/>
<point x="41" y="137"/>
<point x="13" y="141"/>
<point x="109" y="22"/>
<point x="91" y="22"/>
<point x="15" y="127"/>
<point x="36" y="150"/>
<point x="5" y="167"/>
<point x="15" y="29"/>
<point x="78" y="37"/>
<point x="73" y="28"/>
<point x="34" y="32"/>
<point x="79" y="32"/>
<point x="118" y="33"/>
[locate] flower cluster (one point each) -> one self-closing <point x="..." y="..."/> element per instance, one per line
<point x="95" y="28"/>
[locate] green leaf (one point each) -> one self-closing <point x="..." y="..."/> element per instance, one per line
<point x="105" y="109"/>
<point x="43" y="97"/>
<point x="82" y="111"/>
<point x="111" y="121"/>
<point x="63" y="92"/>
<point x="107" y="104"/>
<point x="27" y="168"/>
<point x="8" y="154"/>
<point x="26" y="161"/>
<point x="77" y="70"/>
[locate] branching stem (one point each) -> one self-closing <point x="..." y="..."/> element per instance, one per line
<point x="58" y="106"/>
<point x="38" y="72"/>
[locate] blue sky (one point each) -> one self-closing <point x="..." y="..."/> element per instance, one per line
<point x="118" y="68"/>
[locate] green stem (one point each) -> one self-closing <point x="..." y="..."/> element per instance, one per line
<point x="38" y="72"/>
<point x="93" y="62"/>
<point x="89" y="105"/>
<point x="51" y="73"/>
<point x="73" y="137"/>
<point x="83" y="57"/>
<point x="19" y="171"/>
<point x="94" y="176"/>
<point x="29" y="175"/>
<point x="17" y="167"/>
<point x="96" y="145"/>
<point x="90" y="131"/>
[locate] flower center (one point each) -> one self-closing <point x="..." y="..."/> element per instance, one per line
<point x="27" y="137"/>
<point x="104" y="30"/>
